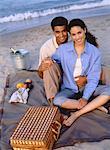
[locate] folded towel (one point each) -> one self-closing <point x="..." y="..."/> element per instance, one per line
<point x="20" y="96"/>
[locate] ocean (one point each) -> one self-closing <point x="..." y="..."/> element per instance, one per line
<point x="17" y="15"/>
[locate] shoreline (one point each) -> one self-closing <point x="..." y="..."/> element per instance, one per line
<point x="13" y="26"/>
<point x="48" y="24"/>
<point x="32" y="39"/>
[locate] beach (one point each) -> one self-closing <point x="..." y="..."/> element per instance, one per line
<point x="32" y="39"/>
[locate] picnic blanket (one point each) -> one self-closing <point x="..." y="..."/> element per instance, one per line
<point x="93" y="126"/>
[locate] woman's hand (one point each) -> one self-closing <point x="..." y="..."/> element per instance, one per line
<point x="81" y="81"/>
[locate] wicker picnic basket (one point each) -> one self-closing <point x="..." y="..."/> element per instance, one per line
<point x="38" y="129"/>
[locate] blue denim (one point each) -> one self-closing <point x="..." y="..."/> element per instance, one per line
<point x="102" y="90"/>
<point x="62" y="96"/>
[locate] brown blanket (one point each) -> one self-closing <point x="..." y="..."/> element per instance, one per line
<point x="93" y="126"/>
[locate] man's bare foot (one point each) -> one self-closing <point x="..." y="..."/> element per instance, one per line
<point x="64" y="117"/>
<point x="102" y="108"/>
<point x="71" y="119"/>
<point x="50" y="101"/>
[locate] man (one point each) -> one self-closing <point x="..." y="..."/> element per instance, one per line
<point x="59" y="27"/>
<point x="49" y="70"/>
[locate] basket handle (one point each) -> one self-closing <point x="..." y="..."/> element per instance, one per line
<point x="56" y="126"/>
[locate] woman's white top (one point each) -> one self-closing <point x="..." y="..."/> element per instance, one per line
<point x="78" y="68"/>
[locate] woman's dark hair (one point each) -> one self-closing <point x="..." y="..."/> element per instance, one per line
<point x="78" y="22"/>
<point x="59" y="21"/>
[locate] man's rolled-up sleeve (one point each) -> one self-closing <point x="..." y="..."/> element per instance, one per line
<point x="57" y="57"/>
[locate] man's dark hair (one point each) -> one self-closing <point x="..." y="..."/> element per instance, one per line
<point x="59" y="21"/>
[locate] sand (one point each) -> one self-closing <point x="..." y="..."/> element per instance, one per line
<point x="32" y="39"/>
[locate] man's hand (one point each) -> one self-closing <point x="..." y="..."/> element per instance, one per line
<point x="80" y="81"/>
<point x="82" y="103"/>
<point x="45" y="64"/>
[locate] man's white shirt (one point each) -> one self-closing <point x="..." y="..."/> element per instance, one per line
<point x="48" y="49"/>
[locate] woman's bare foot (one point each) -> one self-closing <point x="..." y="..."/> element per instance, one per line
<point x="71" y="119"/>
<point x="102" y="108"/>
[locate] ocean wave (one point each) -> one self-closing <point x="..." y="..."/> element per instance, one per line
<point x="40" y="13"/>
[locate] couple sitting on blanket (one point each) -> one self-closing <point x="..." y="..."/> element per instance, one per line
<point x="73" y="67"/>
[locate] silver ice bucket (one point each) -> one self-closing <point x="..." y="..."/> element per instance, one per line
<point x="21" y="59"/>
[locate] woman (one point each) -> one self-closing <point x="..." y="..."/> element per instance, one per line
<point x="80" y="57"/>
